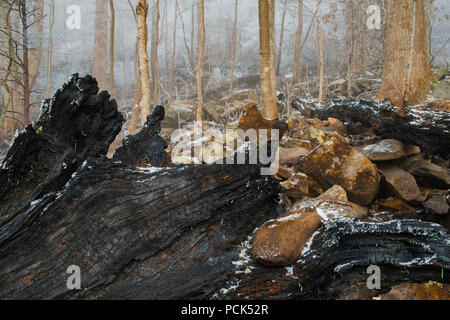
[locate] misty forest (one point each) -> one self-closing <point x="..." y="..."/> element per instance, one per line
<point x="225" y="149"/>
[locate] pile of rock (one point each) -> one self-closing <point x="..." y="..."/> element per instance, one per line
<point x="365" y="177"/>
<point x="332" y="171"/>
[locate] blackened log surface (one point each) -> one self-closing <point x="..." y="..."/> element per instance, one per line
<point x="166" y="233"/>
<point x="77" y="123"/>
<point x="405" y="251"/>
<point x="338" y="256"/>
<point x="427" y="128"/>
<point x="146" y="147"/>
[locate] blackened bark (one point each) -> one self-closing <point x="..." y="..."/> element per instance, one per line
<point x="137" y="233"/>
<point x="76" y="124"/>
<point x="427" y="128"/>
<point x="340" y="253"/>
<point x="146" y="147"/>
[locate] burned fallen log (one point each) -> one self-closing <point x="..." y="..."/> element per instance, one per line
<point x="340" y="253"/>
<point x="137" y="233"/>
<point x="427" y="128"/>
<point x="134" y="232"/>
<point x="405" y="251"/>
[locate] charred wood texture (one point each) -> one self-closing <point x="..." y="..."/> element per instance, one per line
<point x="78" y="123"/>
<point x="427" y="128"/>
<point x="137" y="233"/>
<point x="405" y="250"/>
<point x="146" y="147"/>
<point x="339" y="255"/>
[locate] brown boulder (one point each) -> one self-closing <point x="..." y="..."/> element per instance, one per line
<point x="336" y="163"/>
<point x="396" y="205"/>
<point x="287" y="143"/>
<point x="334" y="193"/>
<point x="300" y="185"/>
<point x="281" y="241"/>
<point x="399" y="183"/>
<point x="426" y="173"/>
<point x="252" y="118"/>
<point x="291" y="155"/>
<point x="337" y="125"/>
<point x="284" y="173"/>
<point x="337" y="193"/>
<point x="418" y="291"/>
<point x="438" y="203"/>
<point x="297" y="128"/>
<point x="318" y="135"/>
<point x="296" y="186"/>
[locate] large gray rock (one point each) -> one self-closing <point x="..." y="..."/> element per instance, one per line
<point x="438" y="203"/>
<point x="389" y="149"/>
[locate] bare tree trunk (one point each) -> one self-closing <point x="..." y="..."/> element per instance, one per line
<point x="233" y="46"/>
<point x="48" y="90"/>
<point x="111" y="47"/>
<point x="166" y="42"/>
<point x="154" y="53"/>
<point x="188" y="51"/>
<point x="35" y="54"/>
<point x="406" y="71"/>
<point x="298" y="39"/>
<point x="266" y="9"/>
<point x="280" y="45"/>
<point x="192" y="29"/>
<point x="25" y="61"/>
<point x="174" y="48"/>
<point x="429" y="5"/>
<point x="100" y="62"/>
<point x="137" y="96"/>
<point x="141" y="18"/>
<point x="350" y="45"/>
<point x="321" y="52"/>
<point x="201" y="52"/>
<point x="219" y="36"/>
<point x="6" y="88"/>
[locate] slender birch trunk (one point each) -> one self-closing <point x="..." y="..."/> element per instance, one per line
<point x="298" y="39"/>
<point x="142" y="39"/>
<point x="321" y="52"/>
<point x="233" y="46"/>
<point x="266" y="9"/>
<point x="111" y="46"/>
<point x="201" y="52"/>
